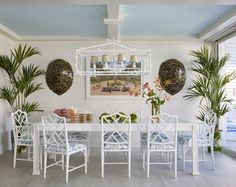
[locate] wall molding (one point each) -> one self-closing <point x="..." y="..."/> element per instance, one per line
<point x="5" y="31"/>
<point x="33" y="2"/>
<point x="15" y="37"/>
<point x="224" y="27"/>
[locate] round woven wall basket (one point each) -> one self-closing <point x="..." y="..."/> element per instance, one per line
<point x="59" y="76"/>
<point x="172" y="76"/>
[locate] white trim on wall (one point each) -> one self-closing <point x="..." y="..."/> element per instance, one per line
<point x="5" y="31"/>
<point x="224" y="27"/>
<point x="98" y="2"/>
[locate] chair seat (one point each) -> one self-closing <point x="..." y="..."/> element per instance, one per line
<point x="116" y="146"/>
<point x="166" y="147"/>
<point x="186" y="139"/>
<point x="25" y="141"/>
<point x="73" y="147"/>
<point x="78" y="136"/>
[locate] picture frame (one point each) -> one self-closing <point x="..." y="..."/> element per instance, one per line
<point x="113" y="86"/>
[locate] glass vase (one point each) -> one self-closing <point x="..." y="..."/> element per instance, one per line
<point x="156" y="111"/>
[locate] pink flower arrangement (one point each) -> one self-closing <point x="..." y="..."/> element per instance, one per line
<point x="157" y="97"/>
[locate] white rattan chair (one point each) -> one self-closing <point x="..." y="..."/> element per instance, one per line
<point x="22" y="132"/>
<point x="116" y="137"/>
<point x="81" y="137"/>
<point x="56" y="142"/>
<point x="161" y="137"/>
<point x="205" y="138"/>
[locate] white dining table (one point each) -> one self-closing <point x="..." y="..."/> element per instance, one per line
<point x="135" y="127"/>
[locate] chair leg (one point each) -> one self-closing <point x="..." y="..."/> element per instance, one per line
<point x="67" y="167"/>
<point x="176" y="156"/>
<point x="55" y="157"/>
<point x="41" y="159"/>
<point x="170" y="159"/>
<point x="85" y="161"/>
<point x="148" y="163"/>
<point x="144" y="161"/>
<point x="88" y="152"/>
<point x="179" y="151"/>
<point x="62" y="162"/>
<point x="129" y="164"/>
<point x="213" y="156"/>
<point x="102" y="163"/>
<point x="28" y="150"/>
<point x="203" y="153"/>
<point x="184" y="152"/>
<point x="45" y="164"/>
<point x="14" y="157"/>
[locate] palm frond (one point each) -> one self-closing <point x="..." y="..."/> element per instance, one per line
<point x="8" y="65"/>
<point x="30" y="107"/>
<point x="26" y="76"/>
<point x="8" y="94"/>
<point x="23" y="52"/>
<point x="31" y="88"/>
<point x="30" y="72"/>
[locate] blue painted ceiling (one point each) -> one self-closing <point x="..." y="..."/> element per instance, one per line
<point x="55" y="19"/>
<point x="87" y="20"/>
<point x="188" y="20"/>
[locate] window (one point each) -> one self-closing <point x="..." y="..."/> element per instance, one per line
<point x="229" y="126"/>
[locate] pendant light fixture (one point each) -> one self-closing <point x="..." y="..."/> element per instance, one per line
<point x="113" y="57"/>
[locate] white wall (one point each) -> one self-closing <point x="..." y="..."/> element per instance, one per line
<point x="161" y="51"/>
<point x="5" y="45"/>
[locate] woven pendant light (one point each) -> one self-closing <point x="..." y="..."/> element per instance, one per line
<point x="59" y="76"/>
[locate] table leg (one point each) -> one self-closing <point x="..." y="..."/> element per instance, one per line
<point x="36" y="151"/>
<point x="195" y="151"/>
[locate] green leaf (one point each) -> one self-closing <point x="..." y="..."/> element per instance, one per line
<point x="30" y="107"/>
<point x="8" y="94"/>
<point x="8" y="65"/>
<point x="31" y="88"/>
<point x="22" y="78"/>
<point x="209" y="84"/>
<point x="23" y="52"/>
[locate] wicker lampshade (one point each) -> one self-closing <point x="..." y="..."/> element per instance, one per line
<point x="94" y="59"/>
<point x="133" y="58"/>
<point x="121" y="57"/>
<point x="59" y="76"/>
<point x="105" y="58"/>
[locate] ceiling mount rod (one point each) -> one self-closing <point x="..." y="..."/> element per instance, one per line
<point x="112" y="20"/>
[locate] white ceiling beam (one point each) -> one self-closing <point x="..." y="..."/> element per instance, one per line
<point x="223" y="27"/>
<point x="113" y="27"/>
<point x="118" y="1"/>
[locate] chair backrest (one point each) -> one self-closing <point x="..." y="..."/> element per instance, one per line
<point x="207" y="129"/>
<point x="21" y="127"/>
<point x="116" y="130"/>
<point x="55" y="133"/>
<point x="162" y="131"/>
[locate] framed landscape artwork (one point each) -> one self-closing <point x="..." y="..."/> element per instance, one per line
<point x="113" y="86"/>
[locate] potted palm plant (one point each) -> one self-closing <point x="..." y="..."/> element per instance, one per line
<point x="22" y="79"/>
<point x="209" y="85"/>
